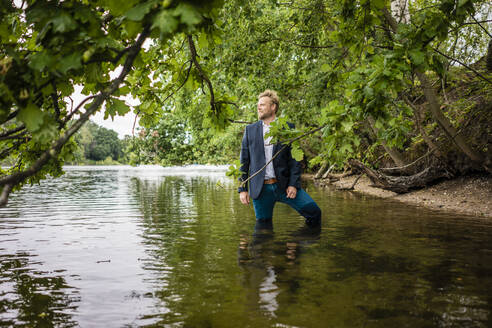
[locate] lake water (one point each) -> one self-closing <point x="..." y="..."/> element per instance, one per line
<point x="174" y="247"/>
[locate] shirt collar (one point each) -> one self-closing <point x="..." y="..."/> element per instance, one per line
<point x="267" y="125"/>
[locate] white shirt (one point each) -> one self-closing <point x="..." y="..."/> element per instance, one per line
<point x="269" y="171"/>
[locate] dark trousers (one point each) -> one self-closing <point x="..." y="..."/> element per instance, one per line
<point x="271" y="193"/>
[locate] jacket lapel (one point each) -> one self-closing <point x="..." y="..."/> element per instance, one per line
<point x="259" y="140"/>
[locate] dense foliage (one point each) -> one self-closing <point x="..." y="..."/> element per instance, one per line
<point x="386" y="82"/>
<point x="96" y="143"/>
<point x="48" y="47"/>
<point x="369" y="75"/>
<point x="174" y="141"/>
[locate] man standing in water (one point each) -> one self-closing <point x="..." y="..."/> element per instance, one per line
<point x="281" y="180"/>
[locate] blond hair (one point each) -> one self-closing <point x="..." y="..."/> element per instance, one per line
<point x="273" y="97"/>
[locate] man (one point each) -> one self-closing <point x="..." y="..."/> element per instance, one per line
<point x="281" y="180"/>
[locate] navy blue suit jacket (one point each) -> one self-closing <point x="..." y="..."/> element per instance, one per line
<point x="287" y="170"/>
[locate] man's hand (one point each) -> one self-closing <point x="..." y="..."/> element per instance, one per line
<point x="244" y="197"/>
<point x="291" y="192"/>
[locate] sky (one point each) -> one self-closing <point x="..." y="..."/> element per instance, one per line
<point x="123" y="125"/>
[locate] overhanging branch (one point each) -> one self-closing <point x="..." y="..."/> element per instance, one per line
<point x="202" y="73"/>
<point x="286" y="144"/>
<point x="8" y="182"/>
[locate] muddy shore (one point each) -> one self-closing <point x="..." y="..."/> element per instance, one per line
<point x="470" y="195"/>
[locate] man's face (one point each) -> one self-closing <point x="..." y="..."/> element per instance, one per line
<point x="266" y="108"/>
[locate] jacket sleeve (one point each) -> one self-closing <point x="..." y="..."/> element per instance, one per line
<point x="294" y="168"/>
<point x="244" y="159"/>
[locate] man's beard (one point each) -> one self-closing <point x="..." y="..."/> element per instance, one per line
<point x="266" y="115"/>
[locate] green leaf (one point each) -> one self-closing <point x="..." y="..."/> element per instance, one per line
<point x="417" y="57"/>
<point x="118" y="7"/>
<point x="138" y="12"/>
<point x="40" y="60"/>
<point x="297" y="152"/>
<point x="116" y="107"/>
<point x="132" y="28"/>
<point x="347" y="126"/>
<point x="63" y="23"/>
<point x="325" y="68"/>
<point x="32" y="116"/>
<point x="346" y="148"/>
<point x="378" y="4"/>
<point x="122" y="91"/>
<point x="189" y="15"/>
<point x="202" y="41"/>
<point x="69" y="62"/>
<point x="356" y="141"/>
<point x="165" y="22"/>
<point x="234" y="170"/>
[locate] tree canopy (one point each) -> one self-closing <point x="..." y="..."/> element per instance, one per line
<point x="369" y="75"/>
<point x="96" y="143"/>
<point x="48" y="47"/>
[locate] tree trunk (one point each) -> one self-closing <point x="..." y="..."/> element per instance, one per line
<point x="401" y="184"/>
<point x="399" y="8"/>
<point x="322" y="170"/>
<point x="327" y="173"/>
<point x="395" y="155"/>
<point x="418" y="121"/>
<point x="435" y="109"/>
<point x="444" y="122"/>
<point x="489" y="56"/>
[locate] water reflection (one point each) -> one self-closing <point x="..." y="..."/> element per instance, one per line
<point x="258" y="257"/>
<point x="143" y="247"/>
<point x="34" y="298"/>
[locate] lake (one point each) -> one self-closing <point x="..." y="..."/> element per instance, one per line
<point x="174" y="247"/>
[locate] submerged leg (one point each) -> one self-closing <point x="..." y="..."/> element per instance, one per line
<point x="264" y="203"/>
<point x="305" y="205"/>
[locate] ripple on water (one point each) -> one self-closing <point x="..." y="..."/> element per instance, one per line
<point x="144" y="246"/>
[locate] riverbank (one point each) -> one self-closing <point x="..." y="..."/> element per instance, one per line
<point x="470" y="195"/>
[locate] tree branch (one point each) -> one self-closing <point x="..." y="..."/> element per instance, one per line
<point x="353" y="184"/>
<point x="135" y="123"/>
<point x="463" y="64"/>
<point x="401" y="168"/>
<point x="182" y="84"/>
<point x="17" y="136"/>
<point x="240" y="122"/>
<point x="11" y="116"/>
<point x="7" y="133"/>
<point x="11" y="180"/>
<point x="435" y="109"/>
<point x="201" y="72"/>
<point x="483" y="28"/>
<point x="4" y="197"/>
<point x="297" y="44"/>
<point x="54" y="98"/>
<point x="288" y="143"/>
<point x="76" y="110"/>
<point x="6" y="152"/>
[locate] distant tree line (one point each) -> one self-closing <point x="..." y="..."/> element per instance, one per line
<point x="401" y="87"/>
<point x="97" y="144"/>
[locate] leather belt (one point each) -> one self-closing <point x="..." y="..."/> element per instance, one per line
<point x="270" y="181"/>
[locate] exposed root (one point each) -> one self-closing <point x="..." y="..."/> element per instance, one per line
<point x="401" y="184"/>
